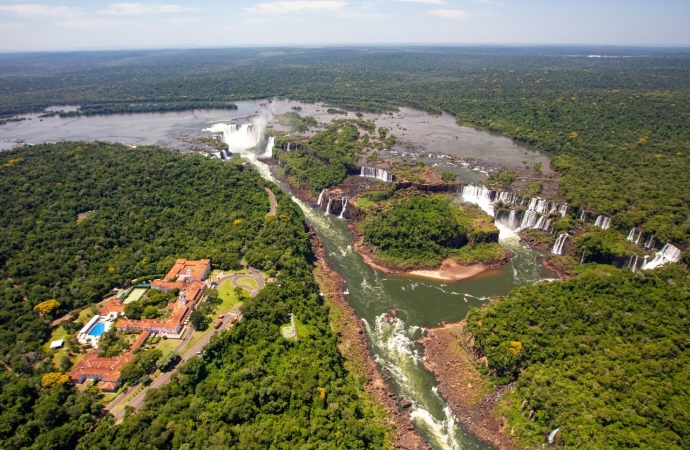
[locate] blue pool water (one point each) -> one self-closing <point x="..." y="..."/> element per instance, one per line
<point x="97" y="329"/>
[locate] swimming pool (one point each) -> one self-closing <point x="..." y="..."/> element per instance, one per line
<point x="97" y="329"/>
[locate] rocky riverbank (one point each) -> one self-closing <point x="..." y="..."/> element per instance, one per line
<point x="465" y="390"/>
<point x="354" y="346"/>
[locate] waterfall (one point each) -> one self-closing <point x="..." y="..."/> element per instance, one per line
<point x="540" y="223"/>
<point x="529" y="219"/>
<point x="637" y="241"/>
<point x="554" y="208"/>
<point x="602" y="222"/>
<point x="563" y="209"/>
<point x="373" y="172"/>
<point x="508" y="198"/>
<point x="558" y="245"/>
<point x="532" y="204"/>
<point x="633" y="263"/>
<point x="318" y="202"/>
<point x="508" y="218"/>
<point x="239" y="137"/>
<point x="268" y="153"/>
<point x="328" y="206"/>
<point x="583" y="215"/>
<point x="513" y="220"/>
<point x="479" y="195"/>
<point x="669" y="253"/>
<point x="631" y="235"/>
<point x="542" y="206"/>
<point x="344" y="203"/>
<point x="288" y="147"/>
<point x="582" y="259"/>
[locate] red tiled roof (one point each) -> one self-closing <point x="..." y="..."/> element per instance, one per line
<point x="107" y="370"/>
<point x="195" y="268"/>
<point x="112" y="305"/>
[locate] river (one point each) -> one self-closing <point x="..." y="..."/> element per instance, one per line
<point x="418" y="303"/>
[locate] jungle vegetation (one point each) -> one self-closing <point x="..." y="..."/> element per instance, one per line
<point x="603" y="356"/>
<point x="416" y="230"/>
<point x="150" y="206"/>
<point x="618" y="126"/>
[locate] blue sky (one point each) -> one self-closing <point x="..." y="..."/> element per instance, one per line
<point x="99" y="24"/>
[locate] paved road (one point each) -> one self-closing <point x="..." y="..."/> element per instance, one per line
<point x="254" y="274"/>
<point x="138" y="401"/>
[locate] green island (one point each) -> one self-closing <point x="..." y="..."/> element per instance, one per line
<point x="413" y="231"/>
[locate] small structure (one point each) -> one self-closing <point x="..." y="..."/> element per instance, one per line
<point x="57" y="344"/>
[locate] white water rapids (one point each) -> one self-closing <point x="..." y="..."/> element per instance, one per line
<point x="372" y="293"/>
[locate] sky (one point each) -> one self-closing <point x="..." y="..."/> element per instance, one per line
<point x="50" y="25"/>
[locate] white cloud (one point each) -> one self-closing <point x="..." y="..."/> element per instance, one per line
<point x="450" y="13"/>
<point x="427" y="2"/>
<point x="140" y="9"/>
<point x="287" y="7"/>
<point x="36" y="10"/>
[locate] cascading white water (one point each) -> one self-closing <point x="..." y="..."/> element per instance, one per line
<point x="582" y="258"/>
<point x="529" y="219"/>
<point x="583" y="215"/>
<point x="540" y="223"/>
<point x="649" y="242"/>
<point x="602" y="222"/>
<point x="373" y="172"/>
<point x="669" y="253"/>
<point x="558" y="245"/>
<point x="533" y="204"/>
<point x="288" y="147"/>
<point x="268" y="153"/>
<point x="554" y="208"/>
<point x="639" y="236"/>
<point x="633" y="263"/>
<point x="328" y="206"/>
<point x="631" y="235"/>
<point x="563" y="209"/>
<point x="344" y="204"/>
<point x="479" y="195"/>
<point x="239" y="138"/>
<point x="542" y="206"/>
<point x="318" y="202"/>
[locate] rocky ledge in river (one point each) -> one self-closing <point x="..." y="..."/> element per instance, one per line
<point x="463" y="387"/>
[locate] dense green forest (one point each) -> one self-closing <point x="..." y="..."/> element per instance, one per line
<point x="605" y="357"/>
<point x="416" y="230"/>
<point x="619" y="125"/>
<point x="325" y="159"/>
<point x="147" y="207"/>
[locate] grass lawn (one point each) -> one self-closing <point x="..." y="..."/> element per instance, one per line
<point x="226" y="292"/>
<point x="364" y="202"/>
<point x="248" y="282"/>
<point x="135" y="295"/>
